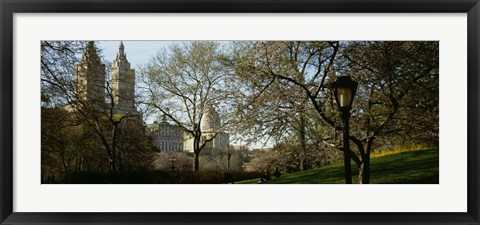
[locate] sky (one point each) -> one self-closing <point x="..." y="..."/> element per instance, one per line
<point x="138" y="52"/>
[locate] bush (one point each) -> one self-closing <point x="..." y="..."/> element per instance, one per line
<point x="162" y="161"/>
<point x="157" y="177"/>
<point x="132" y="177"/>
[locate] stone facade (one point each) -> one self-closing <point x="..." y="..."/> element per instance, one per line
<point x="123" y="83"/>
<point x="167" y="137"/>
<point x="90" y="77"/>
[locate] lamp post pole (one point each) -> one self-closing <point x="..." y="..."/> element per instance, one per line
<point x="344" y="89"/>
<point x="173" y="164"/>
<point x="346" y="146"/>
<point x="228" y="163"/>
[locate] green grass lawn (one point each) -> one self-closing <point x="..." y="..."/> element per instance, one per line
<point x="413" y="167"/>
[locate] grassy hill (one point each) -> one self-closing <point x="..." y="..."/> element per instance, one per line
<point x="413" y="167"/>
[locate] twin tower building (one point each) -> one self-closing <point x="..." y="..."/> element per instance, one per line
<point x="92" y="86"/>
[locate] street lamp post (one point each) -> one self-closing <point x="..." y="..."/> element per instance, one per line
<point x="228" y="163"/>
<point x="172" y="160"/>
<point x="344" y="89"/>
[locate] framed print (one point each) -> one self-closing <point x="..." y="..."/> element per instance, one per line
<point x="263" y="112"/>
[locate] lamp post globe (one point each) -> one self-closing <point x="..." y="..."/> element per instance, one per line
<point x="344" y="89"/>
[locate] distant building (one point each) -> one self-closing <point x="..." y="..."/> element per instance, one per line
<point x="91" y="85"/>
<point x="211" y="124"/>
<point x="90" y="77"/>
<point x="238" y="147"/>
<point x="188" y="142"/>
<point x="123" y="83"/>
<point x="166" y="136"/>
<point x="170" y="137"/>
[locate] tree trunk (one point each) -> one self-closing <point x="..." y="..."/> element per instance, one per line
<point x="364" y="172"/>
<point x="196" y="150"/>
<point x="196" y="164"/>
<point x="364" y="168"/>
<point x="81" y="163"/>
<point x="361" y="173"/>
<point x="110" y="165"/>
<point x="302" y="125"/>
<point x="65" y="167"/>
<point x="113" y="160"/>
<point x="303" y="144"/>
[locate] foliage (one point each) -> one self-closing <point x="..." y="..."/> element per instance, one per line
<point x="135" y="150"/>
<point x="182" y="161"/>
<point x="156" y="177"/>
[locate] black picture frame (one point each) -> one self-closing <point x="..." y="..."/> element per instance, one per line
<point x="9" y="7"/>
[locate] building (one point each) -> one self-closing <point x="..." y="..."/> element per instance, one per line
<point x="90" y="77"/>
<point x="91" y="85"/>
<point x="123" y="83"/>
<point x="238" y="148"/>
<point x="211" y="125"/>
<point x="170" y="137"/>
<point x="166" y="136"/>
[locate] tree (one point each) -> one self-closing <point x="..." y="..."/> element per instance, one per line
<point x="135" y="150"/>
<point x="54" y="143"/>
<point x="163" y="161"/>
<point x="282" y="82"/>
<point x="64" y="87"/>
<point x="397" y="94"/>
<point x="57" y="62"/>
<point x="391" y="76"/>
<point x="183" y="82"/>
<point x="58" y="128"/>
<point x="238" y="158"/>
<point x="283" y="156"/>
